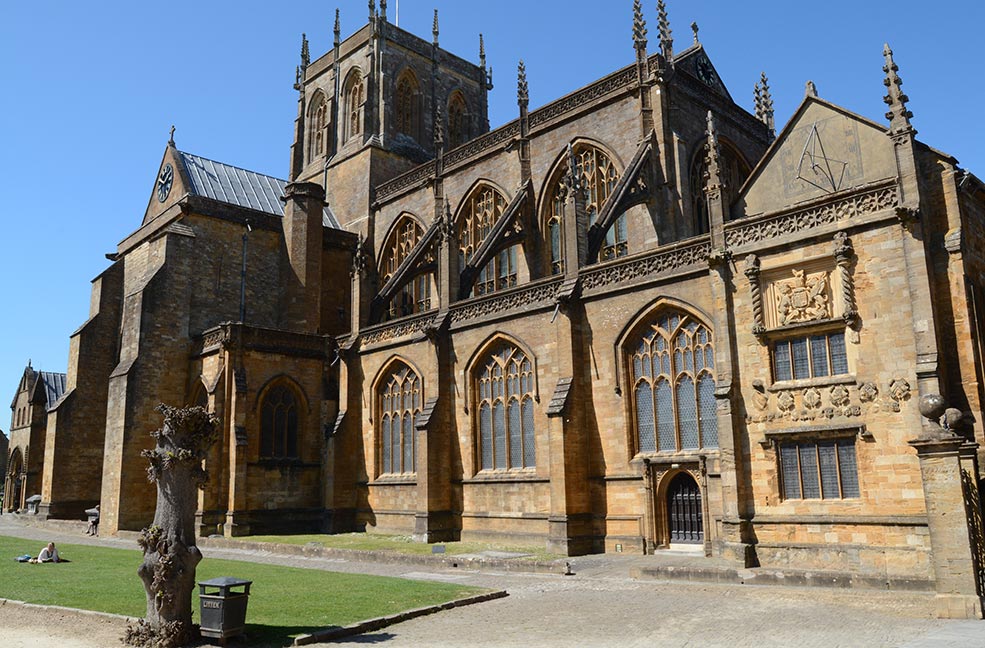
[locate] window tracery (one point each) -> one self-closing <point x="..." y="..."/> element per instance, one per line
<point x="415" y="295"/>
<point x="318" y="127"/>
<point x="279" y="423"/>
<point x="484" y="207"/>
<point x="407" y="114"/>
<point x="400" y="404"/>
<point x="353" y="106"/>
<point x="674" y="385"/>
<point x="504" y="392"/>
<point x="735" y="171"/>
<point x="458" y="120"/>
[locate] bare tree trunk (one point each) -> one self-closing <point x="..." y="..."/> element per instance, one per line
<point x="170" y="554"/>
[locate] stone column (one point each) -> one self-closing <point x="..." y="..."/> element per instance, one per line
<point x="953" y="554"/>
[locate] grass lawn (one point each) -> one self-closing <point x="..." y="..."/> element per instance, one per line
<point x="400" y="544"/>
<point x="284" y="601"/>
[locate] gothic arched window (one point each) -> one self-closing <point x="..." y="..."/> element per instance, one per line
<point x="672" y="368"/>
<point x="415" y="295"/>
<point x="458" y="120"/>
<point x="353" y="105"/>
<point x="735" y="171"/>
<point x="400" y="404"/>
<point x="407" y="104"/>
<point x="597" y="175"/>
<point x="318" y="127"/>
<point x="483" y="208"/>
<point x="504" y="390"/>
<point x="279" y="414"/>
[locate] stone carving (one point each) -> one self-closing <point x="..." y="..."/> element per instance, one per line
<point x="412" y="179"/>
<point x="653" y="264"/>
<point x="480" y="145"/>
<point x="398" y="329"/>
<point x="812" y="398"/>
<point x="803" y="298"/>
<point x="868" y="392"/>
<point x="759" y="396"/>
<point x="844" y="252"/>
<point x="501" y="302"/>
<point x="769" y="227"/>
<point x="622" y="79"/>
<point x="839" y="396"/>
<point x="899" y="389"/>
<point x="752" y="272"/>
<point x="785" y="401"/>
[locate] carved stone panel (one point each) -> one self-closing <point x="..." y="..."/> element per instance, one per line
<point x="802" y="296"/>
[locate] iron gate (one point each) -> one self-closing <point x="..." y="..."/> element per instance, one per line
<point x="684" y="510"/>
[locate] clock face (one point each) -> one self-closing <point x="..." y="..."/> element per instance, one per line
<point x="705" y="72"/>
<point x="164" y="182"/>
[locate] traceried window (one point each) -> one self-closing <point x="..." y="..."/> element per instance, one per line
<point x="458" y="120"/>
<point x="317" y="127"/>
<point x="407" y="100"/>
<point x="819" y="469"/>
<point x="734" y="171"/>
<point x="483" y="208"/>
<point x="597" y="176"/>
<point x="811" y="356"/>
<point x="400" y="405"/>
<point x="415" y="295"/>
<point x="279" y="423"/>
<point x="504" y="388"/>
<point x="673" y="377"/>
<point x="353" y="105"/>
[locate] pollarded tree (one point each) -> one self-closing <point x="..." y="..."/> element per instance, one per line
<point x="170" y="553"/>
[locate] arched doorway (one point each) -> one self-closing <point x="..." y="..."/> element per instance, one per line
<point x="14" y="481"/>
<point x="684" y="518"/>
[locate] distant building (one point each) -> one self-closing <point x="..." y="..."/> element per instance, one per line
<point x="633" y="318"/>
<point x="24" y="453"/>
<point x="4" y="443"/>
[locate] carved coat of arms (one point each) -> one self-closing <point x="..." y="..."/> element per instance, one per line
<point x="803" y="298"/>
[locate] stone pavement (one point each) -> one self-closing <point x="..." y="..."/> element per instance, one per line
<point x="602" y="605"/>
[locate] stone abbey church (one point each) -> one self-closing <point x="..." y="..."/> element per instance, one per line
<point x="634" y="318"/>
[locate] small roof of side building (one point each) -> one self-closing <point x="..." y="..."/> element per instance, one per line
<point x="235" y="186"/>
<point x="54" y="385"/>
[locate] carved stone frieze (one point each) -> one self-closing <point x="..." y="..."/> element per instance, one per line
<point x="804" y="298"/>
<point x="398" y="329"/>
<point x="769" y="227"/>
<point x="812" y="398"/>
<point x="622" y="79"/>
<point x="839" y="396"/>
<point x="813" y="404"/>
<point x="651" y="265"/>
<point x="544" y="294"/>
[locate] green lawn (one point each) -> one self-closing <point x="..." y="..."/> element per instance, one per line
<point x="284" y="601"/>
<point x="399" y="544"/>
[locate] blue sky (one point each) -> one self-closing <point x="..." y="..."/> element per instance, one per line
<point x="90" y="89"/>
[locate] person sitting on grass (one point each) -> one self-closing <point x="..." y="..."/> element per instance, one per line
<point x="48" y="554"/>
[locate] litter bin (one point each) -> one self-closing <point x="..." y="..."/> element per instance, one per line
<point x="223" y="610"/>
<point x="32" y="504"/>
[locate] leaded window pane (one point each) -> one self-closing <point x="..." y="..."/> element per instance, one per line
<point x="687" y="413"/>
<point x="385" y="435"/>
<point x="819" y="356"/>
<point x="644" y="417"/>
<point x="708" y="416"/>
<point x="499" y="434"/>
<point x="808" y="471"/>
<point x="781" y="361"/>
<point x="849" y="468"/>
<point x="529" y="449"/>
<point x="666" y="432"/>
<point x="399" y="403"/>
<point x="515" y="434"/>
<point x="801" y="366"/>
<point x="279" y="424"/>
<point x="839" y="359"/>
<point x="789" y="471"/>
<point x="485" y="436"/>
<point x="408" y="443"/>
<point x="829" y="470"/>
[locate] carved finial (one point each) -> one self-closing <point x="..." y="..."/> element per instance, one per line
<point x="764" y="103"/>
<point x="522" y="90"/>
<point x="694" y="28"/>
<point x="639" y="26"/>
<point x="810" y="90"/>
<point x="482" y="52"/>
<point x="713" y="177"/>
<point x="338" y="29"/>
<point x="663" y="24"/>
<point x="439" y="129"/>
<point x="372" y="10"/>
<point x="305" y="53"/>
<point x="898" y="115"/>
<point x="297" y="79"/>
<point x="571" y="176"/>
<point x="170" y="143"/>
<point x="383" y="10"/>
<point x="434" y="28"/>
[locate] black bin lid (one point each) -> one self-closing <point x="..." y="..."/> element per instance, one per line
<point x="225" y="581"/>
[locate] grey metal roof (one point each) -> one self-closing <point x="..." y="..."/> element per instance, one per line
<point x="235" y="186"/>
<point x="54" y="386"/>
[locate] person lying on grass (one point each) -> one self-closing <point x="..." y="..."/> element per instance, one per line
<point x="48" y="554"/>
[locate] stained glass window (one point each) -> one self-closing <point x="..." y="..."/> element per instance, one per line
<point x="506" y="416"/>
<point x="400" y="404"/>
<point x="674" y="385"/>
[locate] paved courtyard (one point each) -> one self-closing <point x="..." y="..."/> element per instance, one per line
<point x="601" y="605"/>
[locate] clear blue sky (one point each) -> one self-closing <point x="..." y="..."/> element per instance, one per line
<point x="90" y="89"/>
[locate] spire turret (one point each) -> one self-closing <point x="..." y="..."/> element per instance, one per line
<point x="764" y="103"/>
<point x="713" y="174"/>
<point x="522" y="90"/>
<point x="810" y="90"/>
<point x="639" y="27"/>
<point x="305" y="53"/>
<point x="482" y="52"/>
<point x="383" y="10"/>
<point x="434" y="28"/>
<point x="898" y="115"/>
<point x="663" y="24"/>
<point x="439" y="130"/>
<point x="372" y="10"/>
<point x="338" y="29"/>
